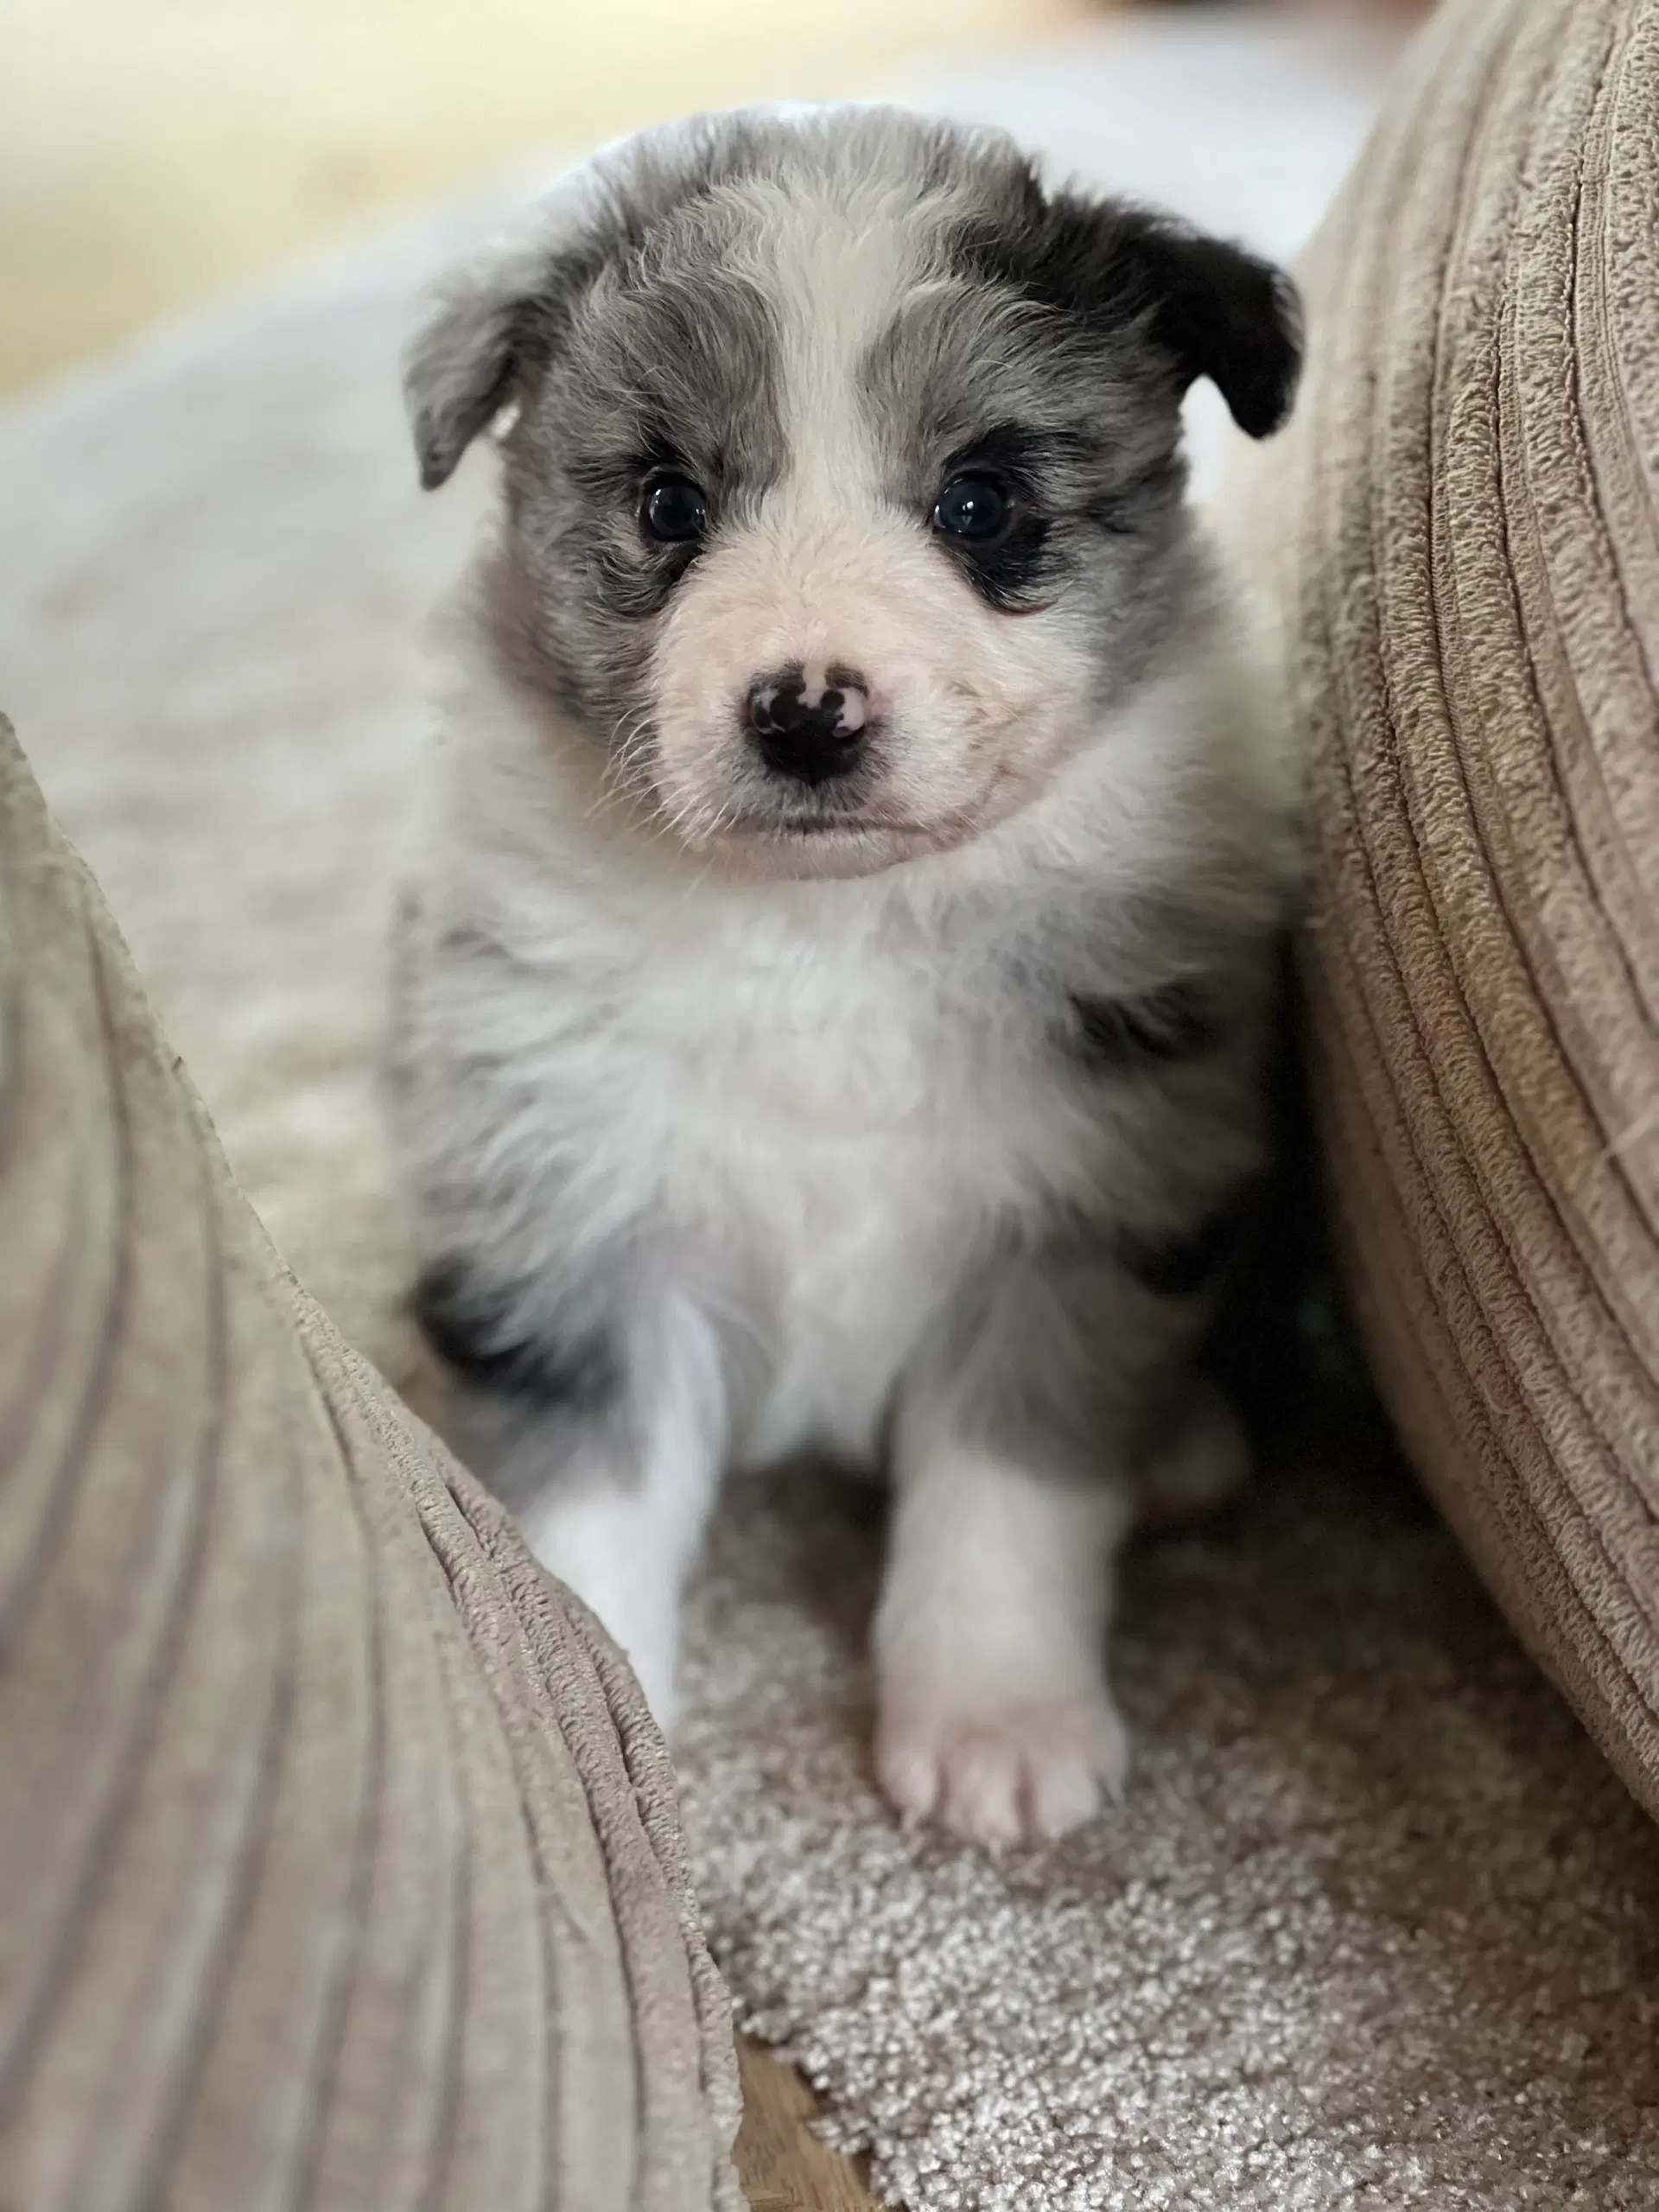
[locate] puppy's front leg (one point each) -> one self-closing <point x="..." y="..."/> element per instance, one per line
<point x="1013" y="1496"/>
<point x="996" y="1718"/>
<point x="612" y="1477"/>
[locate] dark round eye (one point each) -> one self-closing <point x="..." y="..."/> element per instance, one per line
<point x="675" y="510"/>
<point x="971" y="506"/>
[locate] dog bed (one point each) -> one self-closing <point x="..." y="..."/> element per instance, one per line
<point x="340" y="1856"/>
<point x="1461" y="536"/>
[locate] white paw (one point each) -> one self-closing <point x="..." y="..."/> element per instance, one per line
<point x="1018" y="1774"/>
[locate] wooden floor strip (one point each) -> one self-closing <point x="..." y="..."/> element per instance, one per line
<point x="784" y="2167"/>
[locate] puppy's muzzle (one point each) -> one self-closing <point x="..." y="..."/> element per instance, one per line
<point x="809" y="725"/>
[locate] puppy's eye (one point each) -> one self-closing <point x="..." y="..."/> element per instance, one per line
<point x="675" y="510"/>
<point x="972" y="507"/>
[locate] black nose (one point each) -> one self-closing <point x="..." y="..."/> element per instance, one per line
<point x="808" y="725"/>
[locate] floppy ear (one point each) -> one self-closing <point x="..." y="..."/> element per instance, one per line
<point x="1221" y="312"/>
<point x="1210" y="308"/>
<point x="501" y="317"/>
<point x="463" y="367"/>
<point x="506" y="312"/>
<point x="490" y="326"/>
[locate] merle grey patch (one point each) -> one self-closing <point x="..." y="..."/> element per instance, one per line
<point x="670" y="367"/>
<point x="496" y="326"/>
<point x="635" y="348"/>
<point x="1022" y="1345"/>
<point x="1082" y="437"/>
<point x="1178" y="1021"/>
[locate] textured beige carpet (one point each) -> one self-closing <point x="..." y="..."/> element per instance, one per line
<point x="1377" y="1929"/>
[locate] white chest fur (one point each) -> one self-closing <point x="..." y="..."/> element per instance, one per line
<point x="819" y="1110"/>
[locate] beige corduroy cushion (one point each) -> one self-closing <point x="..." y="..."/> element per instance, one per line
<point x="1461" y="532"/>
<point x="339" y="1860"/>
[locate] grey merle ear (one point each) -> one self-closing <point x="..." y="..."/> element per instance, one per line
<point x="506" y="314"/>
<point x="496" y="323"/>
<point x="490" y="327"/>
<point x="458" y="373"/>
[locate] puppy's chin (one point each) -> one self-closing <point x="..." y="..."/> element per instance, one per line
<point x="782" y="846"/>
<point x="731" y="830"/>
<point x="814" y="852"/>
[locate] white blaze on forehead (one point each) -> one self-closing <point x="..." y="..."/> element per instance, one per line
<point x="836" y="260"/>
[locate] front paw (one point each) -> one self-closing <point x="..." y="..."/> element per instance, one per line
<point x="1001" y="1774"/>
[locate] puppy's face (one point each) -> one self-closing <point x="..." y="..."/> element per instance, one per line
<point x="844" y="486"/>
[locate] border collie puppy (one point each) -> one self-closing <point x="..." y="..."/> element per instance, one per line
<point x="838" y="1008"/>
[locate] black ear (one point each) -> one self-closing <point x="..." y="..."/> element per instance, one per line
<point x="1223" y="313"/>
<point x="1208" y="308"/>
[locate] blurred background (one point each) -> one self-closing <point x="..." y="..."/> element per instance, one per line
<point x="156" y="153"/>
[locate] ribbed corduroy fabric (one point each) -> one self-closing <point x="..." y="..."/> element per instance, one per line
<point x="339" y="1864"/>
<point x="1461" y="532"/>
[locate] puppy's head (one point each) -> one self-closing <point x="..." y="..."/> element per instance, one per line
<point x="843" y="479"/>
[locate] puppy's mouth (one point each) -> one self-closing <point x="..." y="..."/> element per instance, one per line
<point x="850" y="827"/>
<point x="854" y="823"/>
<point x="844" y="825"/>
<point x="860" y="842"/>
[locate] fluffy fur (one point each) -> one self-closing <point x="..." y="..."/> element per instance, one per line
<point x="836" y="1011"/>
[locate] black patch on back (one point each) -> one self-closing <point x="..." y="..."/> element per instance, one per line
<point x="481" y="1330"/>
<point x="1177" y="1021"/>
<point x="1188" y="1261"/>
